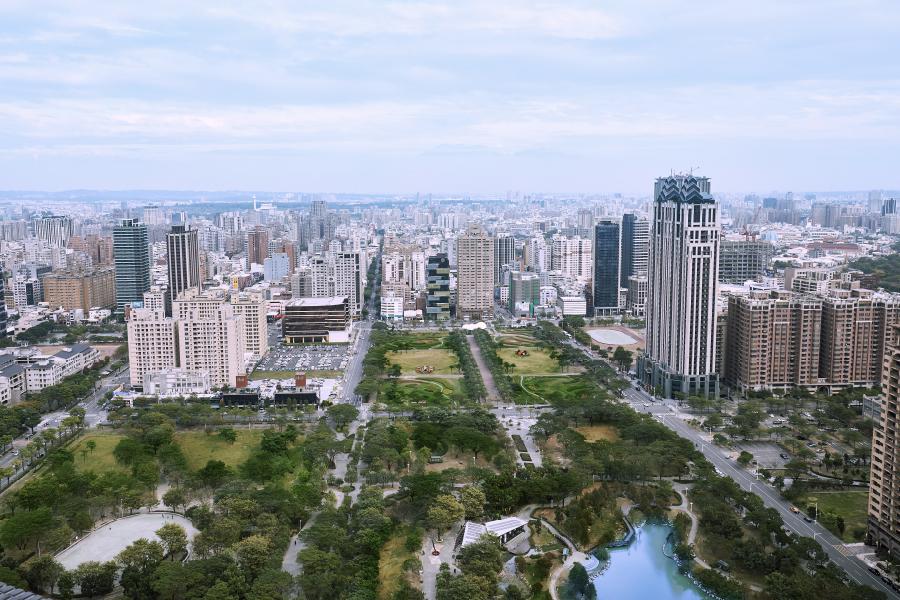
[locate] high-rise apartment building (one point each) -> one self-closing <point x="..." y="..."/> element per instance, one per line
<point x="635" y="247"/>
<point x="537" y="255"/>
<point x="183" y="260"/>
<point x="437" y="293"/>
<point x="504" y="255"/>
<point x="339" y="274"/>
<point x="211" y="342"/>
<point x="55" y="230"/>
<point x="257" y="245"/>
<point x="572" y="256"/>
<point x="80" y="290"/>
<point x="884" y="471"/>
<point x="607" y="266"/>
<point x="132" y="257"/>
<point x="773" y="340"/>
<point x="152" y="344"/>
<point x="744" y="260"/>
<point x="475" y="274"/>
<point x="256" y="334"/>
<point x="680" y="353"/>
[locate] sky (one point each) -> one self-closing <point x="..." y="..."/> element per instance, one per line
<point x="449" y="96"/>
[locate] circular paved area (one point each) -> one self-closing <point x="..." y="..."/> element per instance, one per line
<point x="612" y="337"/>
<point x="106" y="542"/>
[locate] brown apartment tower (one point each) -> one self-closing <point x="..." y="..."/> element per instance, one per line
<point x="884" y="478"/>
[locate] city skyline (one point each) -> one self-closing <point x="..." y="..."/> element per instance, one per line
<point x="487" y="97"/>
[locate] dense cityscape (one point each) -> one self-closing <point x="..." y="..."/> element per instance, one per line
<point x="432" y="300"/>
<point x="276" y="395"/>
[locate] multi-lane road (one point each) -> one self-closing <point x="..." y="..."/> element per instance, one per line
<point x="668" y="414"/>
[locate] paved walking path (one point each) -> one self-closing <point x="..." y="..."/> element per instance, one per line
<point x="493" y="394"/>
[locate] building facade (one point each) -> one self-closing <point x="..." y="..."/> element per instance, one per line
<point x="681" y="303"/>
<point x="437" y="292"/>
<point x="74" y="290"/>
<point x="607" y="267"/>
<point x="635" y="247"/>
<point x="475" y="274"/>
<point x="317" y="320"/>
<point x="131" y="251"/>
<point x="183" y="261"/>
<point x="744" y="260"/>
<point x="884" y="471"/>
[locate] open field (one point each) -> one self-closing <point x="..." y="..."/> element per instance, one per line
<point x="538" y="361"/>
<point x="199" y="448"/>
<point x="463" y="461"/>
<point x="850" y="505"/>
<point x="595" y="433"/>
<point x="101" y="459"/>
<point x="517" y="338"/>
<point x="438" y="358"/>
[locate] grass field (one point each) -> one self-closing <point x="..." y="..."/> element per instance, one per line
<point x="438" y="358"/>
<point x="101" y="459"/>
<point x="851" y="505"/>
<point x="199" y="448"/>
<point x="290" y="374"/>
<point x="594" y="433"/>
<point x="538" y="361"/>
<point x="390" y="564"/>
<point x="517" y="338"/>
<point x="556" y="389"/>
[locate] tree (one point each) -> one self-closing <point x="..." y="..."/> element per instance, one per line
<point x="91" y="445"/>
<point x="139" y="561"/>
<point x="444" y="511"/>
<point x="623" y="358"/>
<point x="173" y="538"/>
<point x="95" y="578"/>
<point x="41" y="572"/>
<point x="174" y="581"/>
<point x="744" y="458"/>
<point x="579" y="582"/>
<point x="214" y="473"/>
<point x="174" y="498"/>
<point x="219" y="591"/>
<point x="24" y="527"/>
<point x="473" y="500"/>
<point x="252" y="554"/>
<point x="342" y="414"/>
<point x="228" y="434"/>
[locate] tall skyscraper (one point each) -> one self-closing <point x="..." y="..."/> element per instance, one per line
<point x="475" y="274"/>
<point x="680" y="353"/>
<point x="3" y="315"/>
<point x="437" y="298"/>
<point x="635" y="247"/>
<point x="504" y="255"/>
<point x="606" y="267"/>
<point x="183" y="259"/>
<point x="132" y="257"/>
<point x="257" y="246"/>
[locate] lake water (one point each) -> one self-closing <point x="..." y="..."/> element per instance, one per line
<point x="641" y="571"/>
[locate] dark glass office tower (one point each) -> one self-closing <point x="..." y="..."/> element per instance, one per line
<point x="606" y="267"/>
<point x="437" y="300"/>
<point x="131" y="250"/>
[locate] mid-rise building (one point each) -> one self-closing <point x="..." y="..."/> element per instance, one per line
<point x="152" y="344"/>
<point x="475" y="274"/>
<point x="80" y="290"/>
<point x="524" y="289"/>
<point x="316" y="320"/>
<point x="213" y="343"/>
<point x="607" y="263"/>
<point x="572" y="256"/>
<point x="256" y="334"/>
<point x="437" y="292"/>
<point x="131" y="250"/>
<point x="680" y="353"/>
<point x="744" y="260"/>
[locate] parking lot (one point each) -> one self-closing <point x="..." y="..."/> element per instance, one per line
<point x="306" y="358"/>
<point x="766" y="454"/>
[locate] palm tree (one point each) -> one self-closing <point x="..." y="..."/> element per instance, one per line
<point x="90" y="445"/>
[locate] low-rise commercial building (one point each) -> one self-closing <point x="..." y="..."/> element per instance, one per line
<point x="317" y="320"/>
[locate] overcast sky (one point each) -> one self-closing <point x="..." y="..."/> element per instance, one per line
<point x="454" y="95"/>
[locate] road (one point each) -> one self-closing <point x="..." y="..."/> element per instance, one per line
<point x="668" y="414"/>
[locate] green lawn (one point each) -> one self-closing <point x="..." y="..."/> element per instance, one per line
<point x="556" y="389"/>
<point x="438" y="358"/>
<point x="198" y="447"/>
<point x="538" y="361"/>
<point x="418" y="392"/>
<point x="851" y="505"/>
<point x="101" y="459"/>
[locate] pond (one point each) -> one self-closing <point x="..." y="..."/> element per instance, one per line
<point x="641" y="571"/>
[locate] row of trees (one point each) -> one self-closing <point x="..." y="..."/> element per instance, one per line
<point x="473" y="386"/>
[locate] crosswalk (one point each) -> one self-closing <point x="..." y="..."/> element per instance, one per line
<point x="843" y="550"/>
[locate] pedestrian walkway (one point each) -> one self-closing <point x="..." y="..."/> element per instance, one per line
<point x="493" y="394"/>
